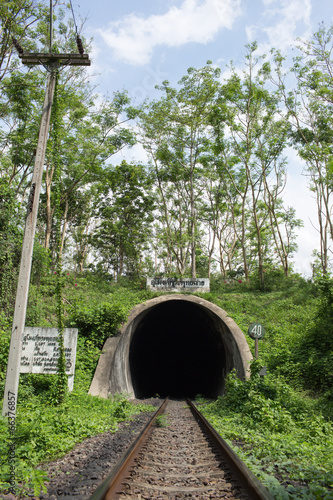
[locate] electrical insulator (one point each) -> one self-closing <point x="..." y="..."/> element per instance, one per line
<point x="79" y="45"/>
<point x="17" y="46"/>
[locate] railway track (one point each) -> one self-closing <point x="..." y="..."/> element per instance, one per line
<point x="179" y="455"/>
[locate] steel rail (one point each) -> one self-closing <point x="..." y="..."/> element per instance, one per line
<point x="112" y="483"/>
<point x="251" y="483"/>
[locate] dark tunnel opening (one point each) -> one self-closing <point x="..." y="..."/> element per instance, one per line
<point x="176" y="351"/>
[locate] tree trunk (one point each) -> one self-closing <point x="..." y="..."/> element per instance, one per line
<point x="210" y="252"/>
<point x="64" y="227"/>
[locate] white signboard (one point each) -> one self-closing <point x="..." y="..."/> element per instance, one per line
<point x="40" y="351"/>
<point x="178" y="284"/>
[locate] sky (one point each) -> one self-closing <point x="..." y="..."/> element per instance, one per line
<point x="139" y="44"/>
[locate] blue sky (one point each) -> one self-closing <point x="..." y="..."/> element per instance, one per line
<point x="137" y="45"/>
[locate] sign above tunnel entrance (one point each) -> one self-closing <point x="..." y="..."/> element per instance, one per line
<point x="178" y="284"/>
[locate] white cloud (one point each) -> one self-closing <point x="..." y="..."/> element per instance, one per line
<point x="134" y="38"/>
<point x="289" y="14"/>
<point x="251" y="32"/>
<point x="281" y="21"/>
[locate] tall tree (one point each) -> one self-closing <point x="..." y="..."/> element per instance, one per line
<point x="88" y="139"/>
<point x="310" y="109"/>
<point x="18" y="20"/>
<point x="176" y="133"/>
<point x="251" y="149"/>
<point x="125" y="217"/>
<point x="18" y="23"/>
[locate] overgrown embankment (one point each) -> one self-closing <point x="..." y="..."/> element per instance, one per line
<point x="282" y="423"/>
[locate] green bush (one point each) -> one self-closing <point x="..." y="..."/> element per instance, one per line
<point x="274" y="279"/>
<point x="279" y="432"/>
<point x="99" y="321"/>
<point x="311" y="357"/>
<point x="261" y="403"/>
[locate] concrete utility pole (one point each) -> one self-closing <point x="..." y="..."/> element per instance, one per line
<point x="51" y="62"/>
<point x="14" y="359"/>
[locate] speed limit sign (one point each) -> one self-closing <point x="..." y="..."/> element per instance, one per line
<point x="256" y="331"/>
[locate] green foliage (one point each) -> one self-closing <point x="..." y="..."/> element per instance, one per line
<point x="200" y="399"/>
<point x="4" y="346"/>
<point x="297" y="344"/>
<point x="161" y="421"/>
<point x="312" y="354"/>
<point x="274" y="278"/>
<point x="276" y="428"/>
<point x="123" y="408"/>
<point x="99" y="321"/>
<point x="126" y="216"/>
<point x="46" y="432"/>
<point x="87" y="355"/>
<point x="311" y="125"/>
<point x="10" y="244"/>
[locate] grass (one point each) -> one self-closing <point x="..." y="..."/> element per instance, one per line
<point x="279" y="434"/>
<point x="45" y="431"/>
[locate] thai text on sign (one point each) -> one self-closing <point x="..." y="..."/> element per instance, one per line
<point x="40" y="350"/>
<point x="178" y="284"/>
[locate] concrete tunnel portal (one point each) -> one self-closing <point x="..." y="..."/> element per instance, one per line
<point x="172" y="345"/>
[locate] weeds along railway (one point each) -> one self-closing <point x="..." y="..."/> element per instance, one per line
<point x="179" y="455"/>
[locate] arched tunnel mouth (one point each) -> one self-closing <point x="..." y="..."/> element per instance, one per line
<point x="177" y="351"/>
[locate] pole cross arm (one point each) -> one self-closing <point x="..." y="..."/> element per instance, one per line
<point x="52" y="59"/>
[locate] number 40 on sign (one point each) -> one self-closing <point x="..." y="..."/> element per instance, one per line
<point x="256" y="331"/>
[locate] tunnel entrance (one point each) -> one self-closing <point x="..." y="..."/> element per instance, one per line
<point x="175" y="351"/>
<point x="172" y="345"/>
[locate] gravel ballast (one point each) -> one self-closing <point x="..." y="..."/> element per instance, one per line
<point x="77" y="474"/>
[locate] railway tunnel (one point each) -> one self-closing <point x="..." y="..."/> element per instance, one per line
<point x="172" y="345"/>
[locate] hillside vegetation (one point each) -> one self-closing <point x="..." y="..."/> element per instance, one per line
<point x="281" y="424"/>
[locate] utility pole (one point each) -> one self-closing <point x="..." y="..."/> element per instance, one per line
<point x="51" y="62"/>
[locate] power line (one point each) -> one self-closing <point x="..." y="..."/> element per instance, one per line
<point x="73" y="16"/>
<point x="78" y="39"/>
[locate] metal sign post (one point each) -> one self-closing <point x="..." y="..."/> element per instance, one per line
<point x="51" y="62"/>
<point x="256" y="332"/>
